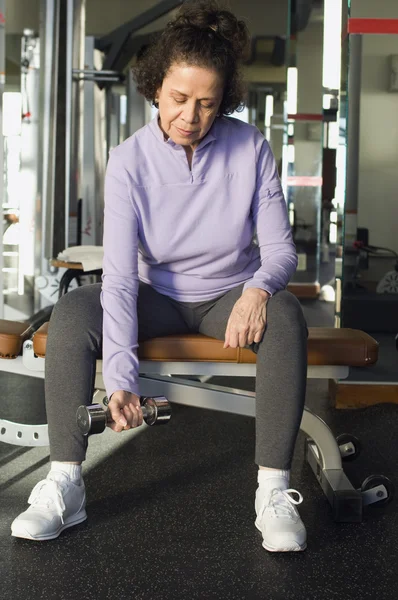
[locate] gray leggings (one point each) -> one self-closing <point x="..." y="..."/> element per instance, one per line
<point x="75" y="342"/>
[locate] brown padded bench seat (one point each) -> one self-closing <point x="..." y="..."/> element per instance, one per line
<point x="12" y="336"/>
<point x="326" y="346"/>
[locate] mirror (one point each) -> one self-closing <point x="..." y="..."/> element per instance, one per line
<point x="370" y="274"/>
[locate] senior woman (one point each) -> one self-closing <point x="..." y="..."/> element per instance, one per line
<point x="184" y="197"/>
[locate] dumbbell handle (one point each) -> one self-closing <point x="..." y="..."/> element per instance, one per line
<point x="155" y="410"/>
<point x="148" y="413"/>
<point x="93" y="419"/>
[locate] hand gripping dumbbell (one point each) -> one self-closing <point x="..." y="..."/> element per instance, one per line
<point x="94" y="418"/>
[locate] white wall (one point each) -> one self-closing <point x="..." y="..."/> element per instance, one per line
<point x="378" y="157"/>
<point x="370" y="9"/>
<point x="308" y="152"/>
<point x="309" y="64"/>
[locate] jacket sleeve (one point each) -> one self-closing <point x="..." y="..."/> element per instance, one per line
<point x="269" y="212"/>
<point x="119" y="283"/>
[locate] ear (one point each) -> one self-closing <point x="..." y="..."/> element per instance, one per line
<point x="157" y="94"/>
<point x="155" y="101"/>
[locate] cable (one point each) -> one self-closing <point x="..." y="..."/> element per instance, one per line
<point x="373" y="249"/>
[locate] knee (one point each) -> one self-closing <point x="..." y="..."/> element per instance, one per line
<point x="285" y="309"/>
<point x="66" y="307"/>
<point x="75" y="310"/>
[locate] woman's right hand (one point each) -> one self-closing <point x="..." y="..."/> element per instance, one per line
<point x="125" y="410"/>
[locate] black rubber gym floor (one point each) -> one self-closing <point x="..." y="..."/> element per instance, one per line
<point x="171" y="511"/>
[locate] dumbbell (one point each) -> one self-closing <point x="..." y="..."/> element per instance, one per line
<point x="94" y="418"/>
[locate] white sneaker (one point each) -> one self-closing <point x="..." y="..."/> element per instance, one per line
<point x="280" y="523"/>
<point x="56" y="503"/>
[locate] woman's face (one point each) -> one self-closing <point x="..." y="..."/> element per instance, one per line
<point x="189" y="100"/>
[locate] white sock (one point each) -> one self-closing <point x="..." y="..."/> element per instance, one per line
<point x="268" y="480"/>
<point x="74" y="471"/>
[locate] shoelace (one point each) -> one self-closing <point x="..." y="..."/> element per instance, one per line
<point x="281" y="504"/>
<point x="45" y="492"/>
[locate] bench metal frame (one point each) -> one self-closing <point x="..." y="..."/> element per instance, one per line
<point x="169" y="379"/>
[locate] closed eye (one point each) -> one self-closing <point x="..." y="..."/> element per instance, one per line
<point x="208" y="106"/>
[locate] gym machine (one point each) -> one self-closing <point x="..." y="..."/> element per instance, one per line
<point x="66" y="75"/>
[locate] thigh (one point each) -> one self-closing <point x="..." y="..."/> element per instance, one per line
<point x="79" y="314"/>
<point x="157" y="315"/>
<point x="74" y="333"/>
<point x="214" y="323"/>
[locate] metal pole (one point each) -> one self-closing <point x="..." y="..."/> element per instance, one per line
<point x="62" y="134"/>
<point x="135" y="107"/>
<point x="61" y="50"/>
<point x="353" y="141"/>
<point x="95" y="71"/>
<point x="61" y="99"/>
<point x="47" y="131"/>
<point x="113" y="119"/>
<point x="94" y="156"/>
<point x="30" y="157"/>
<point x="2" y="82"/>
<point x="75" y="93"/>
<point x="352" y="168"/>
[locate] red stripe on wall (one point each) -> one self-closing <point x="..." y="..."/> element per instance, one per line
<point x="379" y="26"/>
<point x="305" y="117"/>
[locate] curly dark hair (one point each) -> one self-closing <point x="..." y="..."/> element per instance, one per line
<point x="202" y="34"/>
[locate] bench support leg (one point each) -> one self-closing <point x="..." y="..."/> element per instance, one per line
<point x="323" y="455"/>
<point x="346" y="502"/>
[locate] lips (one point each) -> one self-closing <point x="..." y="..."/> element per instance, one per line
<point x="185" y="132"/>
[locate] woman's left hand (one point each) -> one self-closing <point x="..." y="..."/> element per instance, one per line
<point x="248" y="318"/>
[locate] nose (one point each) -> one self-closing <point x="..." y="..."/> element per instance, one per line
<point x="191" y="113"/>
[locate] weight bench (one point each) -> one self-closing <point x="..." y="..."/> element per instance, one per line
<point x="165" y="361"/>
